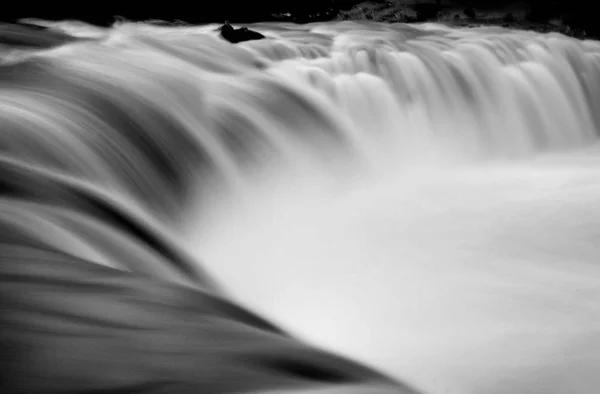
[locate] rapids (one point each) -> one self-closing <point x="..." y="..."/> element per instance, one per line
<point x="421" y="199"/>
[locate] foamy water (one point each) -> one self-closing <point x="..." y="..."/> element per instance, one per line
<point x="472" y="280"/>
<point x="421" y="199"/>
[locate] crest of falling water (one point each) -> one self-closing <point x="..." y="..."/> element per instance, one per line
<point x="419" y="198"/>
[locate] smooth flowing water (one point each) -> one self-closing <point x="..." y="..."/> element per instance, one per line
<point x="421" y="199"/>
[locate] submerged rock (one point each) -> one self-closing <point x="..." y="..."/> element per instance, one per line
<point x="242" y="34"/>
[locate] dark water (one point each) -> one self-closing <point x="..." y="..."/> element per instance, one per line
<point x="418" y="199"/>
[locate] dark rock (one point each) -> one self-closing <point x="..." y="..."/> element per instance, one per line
<point x="242" y="34"/>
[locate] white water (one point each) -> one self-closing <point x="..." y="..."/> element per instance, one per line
<point x="480" y="280"/>
<point x="453" y="241"/>
<point x="454" y="272"/>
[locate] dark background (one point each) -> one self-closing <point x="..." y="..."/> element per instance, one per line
<point x="577" y="13"/>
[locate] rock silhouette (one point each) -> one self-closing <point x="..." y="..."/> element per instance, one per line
<point x="241" y="34"/>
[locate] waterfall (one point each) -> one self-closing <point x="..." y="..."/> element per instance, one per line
<point x="417" y="198"/>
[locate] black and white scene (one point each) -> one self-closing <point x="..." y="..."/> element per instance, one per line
<point x="300" y="197"/>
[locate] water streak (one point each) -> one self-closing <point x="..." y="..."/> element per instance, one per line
<point x="419" y="198"/>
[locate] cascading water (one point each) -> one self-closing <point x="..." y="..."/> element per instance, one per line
<point x="418" y="198"/>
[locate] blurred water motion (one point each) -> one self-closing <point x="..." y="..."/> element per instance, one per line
<point x="179" y="214"/>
